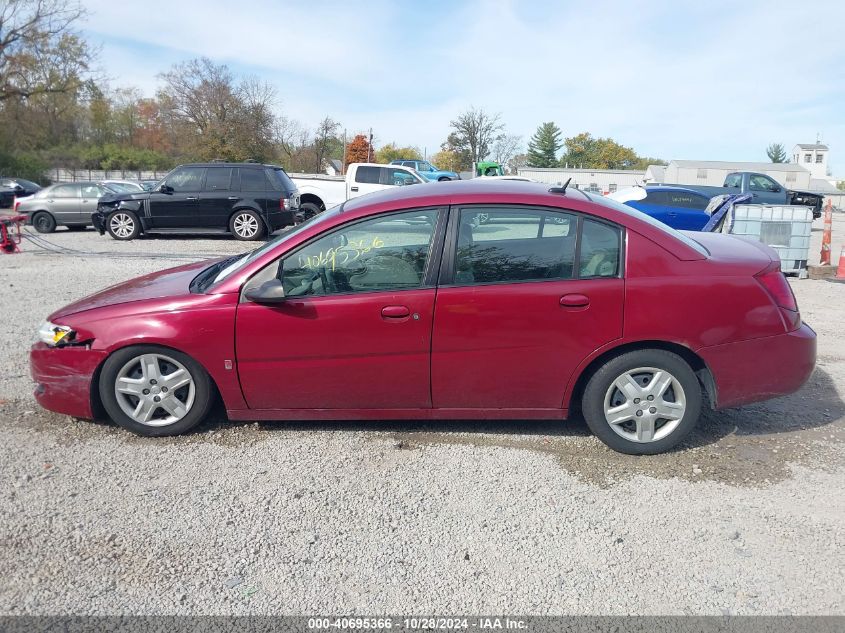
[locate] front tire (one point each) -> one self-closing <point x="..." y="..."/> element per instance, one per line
<point x="44" y="222"/>
<point x="246" y="225"/>
<point x="123" y="225"/>
<point x="154" y="391"/>
<point x="642" y="402"/>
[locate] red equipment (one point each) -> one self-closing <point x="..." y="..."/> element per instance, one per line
<point x="10" y="233"/>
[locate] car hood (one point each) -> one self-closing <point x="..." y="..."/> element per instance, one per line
<point x="120" y="197"/>
<point x="172" y="282"/>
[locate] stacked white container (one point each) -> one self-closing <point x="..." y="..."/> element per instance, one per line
<point x="785" y="228"/>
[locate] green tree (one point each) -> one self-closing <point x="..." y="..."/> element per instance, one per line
<point x="588" y="152"/>
<point x="776" y="153"/>
<point x="544" y="146"/>
<point x="841" y="185"/>
<point x="447" y="159"/>
<point x="391" y="151"/>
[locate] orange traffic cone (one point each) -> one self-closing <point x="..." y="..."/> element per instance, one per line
<point x="840" y="270"/>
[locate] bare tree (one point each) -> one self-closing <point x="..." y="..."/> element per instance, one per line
<point x="505" y="147"/>
<point x="475" y="131"/>
<point x="326" y="141"/>
<point x="39" y="51"/>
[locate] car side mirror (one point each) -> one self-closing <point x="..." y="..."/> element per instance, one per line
<point x="166" y="189"/>
<point x="271" y="291"/>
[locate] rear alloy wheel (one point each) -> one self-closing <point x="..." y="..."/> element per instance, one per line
<point x="123" y="225"/>
<point x="44" y="222"/>
<point x="154" y="391"/>
<point x="643" y="402"/>
<point x="246" y="225"/>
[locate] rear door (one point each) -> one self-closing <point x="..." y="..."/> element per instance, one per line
<point x="63" y="202"/>
<point x="518" y="309"/>
<point x="179" y="208"/>
<point x="216" y="198"/>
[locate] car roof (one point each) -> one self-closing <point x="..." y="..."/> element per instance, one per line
<point x="671" y="188"/>
<point x="233" y="164"/>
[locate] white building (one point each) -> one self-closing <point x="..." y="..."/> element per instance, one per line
<point x="813" y="158"/>
<point x="595" y="180"/>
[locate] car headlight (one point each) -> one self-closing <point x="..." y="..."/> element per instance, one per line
<point x="54" y="335"/>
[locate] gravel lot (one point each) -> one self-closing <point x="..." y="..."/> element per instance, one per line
<point x="748" y="517"/>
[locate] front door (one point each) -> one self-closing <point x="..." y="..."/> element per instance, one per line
<point x="355" y="329"/>
<point x="178" y="205"/>
<point x="519" y="310"/>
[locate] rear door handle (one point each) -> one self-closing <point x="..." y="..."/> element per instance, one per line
<point x="395" y="312"/>
<point x="574" y="301"/>
<point x="192" y="198"/>
<point x="233" y="198"/>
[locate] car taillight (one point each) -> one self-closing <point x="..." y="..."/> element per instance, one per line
<point x="16" y="205"/>
<point x="284" y="204"/>
<point x="774" y="282"/>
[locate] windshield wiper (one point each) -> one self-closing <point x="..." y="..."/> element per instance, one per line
<point x="202" y="281"/>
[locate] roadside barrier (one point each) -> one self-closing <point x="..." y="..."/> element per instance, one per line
<point x="828" y="229"/>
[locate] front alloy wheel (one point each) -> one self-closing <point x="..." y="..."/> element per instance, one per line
<point x="153" y="390"/>
<point x="123" y="225"/>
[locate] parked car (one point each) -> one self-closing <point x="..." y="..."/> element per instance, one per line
<point x="427" y="170"/>
<point x="124" y="186"/>
<point x="248" y="200"/>
<point x="148" y="185"/>
<point x="763" y="190"/>
<point x="22" y="187"/>
<point x="319" y="193"/>
<point x="7" y="197"/>
<point x="678" y="207"/>
<point x="67" y="204"/>
<point x="567" y="302"/>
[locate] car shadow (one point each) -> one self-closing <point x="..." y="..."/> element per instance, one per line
<point x="816" y="405"/>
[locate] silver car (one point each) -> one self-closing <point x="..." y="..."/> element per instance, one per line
<point x="67" y="204"/>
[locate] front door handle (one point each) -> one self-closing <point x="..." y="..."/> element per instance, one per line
<point x="192" y="198"/>
<point x="232" y="198"/>
<point x="574" y="301"/>
<point x="395" y="312"/>
<point x="354" y="188"/>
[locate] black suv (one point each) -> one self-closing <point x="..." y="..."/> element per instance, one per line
<point x="248" y="200"/>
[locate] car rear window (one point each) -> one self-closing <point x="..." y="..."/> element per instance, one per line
<point x="280" y="180"/>
<point x="624" y="208"/>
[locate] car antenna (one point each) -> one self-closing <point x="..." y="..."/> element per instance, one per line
<point x="561" y="189"/>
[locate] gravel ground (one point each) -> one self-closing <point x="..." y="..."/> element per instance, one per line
<point x="748" y="517"/>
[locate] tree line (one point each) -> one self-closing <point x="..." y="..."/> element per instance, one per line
<point x="56" y="109"/>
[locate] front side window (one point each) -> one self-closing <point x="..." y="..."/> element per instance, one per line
<point x="502" y="245"/>
<point x="66" y="191"/>
<point x="385" y="253"/>
<point x="733" y="181"/>
<point x="186" y="179"/>
<point x="761" y="183"/>
<point x="218" y="178"/>
<point x="397" y="177"/>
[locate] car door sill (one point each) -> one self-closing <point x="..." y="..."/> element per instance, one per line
<point x="189" y="230"/>
<point x="397" y="414"/>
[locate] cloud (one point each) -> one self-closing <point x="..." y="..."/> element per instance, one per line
<point x="714" y="80"/>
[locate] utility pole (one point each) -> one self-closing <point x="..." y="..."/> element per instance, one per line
<point x="370" y="147"/>
<point x="343" y="160"/>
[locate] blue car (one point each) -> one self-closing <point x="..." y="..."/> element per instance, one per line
<point x="427" y="170"/>
<point x="678" y="207"/>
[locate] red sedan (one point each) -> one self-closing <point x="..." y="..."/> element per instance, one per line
<point x="470" y="300"/>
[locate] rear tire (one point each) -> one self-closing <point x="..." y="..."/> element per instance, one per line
<point x="180" y="383"/>
<point x="44" y="222"/>
<point x="123" y="225"/>
<point x="309" y="209"/>
<point x="246" y="225"/>
<point x="642" y="402"/>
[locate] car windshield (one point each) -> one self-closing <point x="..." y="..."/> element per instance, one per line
<point x="219" y="271"/>
<point x="624" y="208"/>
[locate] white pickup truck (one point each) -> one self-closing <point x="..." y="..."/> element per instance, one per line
<point x="318" y="193"/>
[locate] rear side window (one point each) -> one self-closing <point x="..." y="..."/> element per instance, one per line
<point x="253" y="180"/>
<point x="501" y="245"/>
<point x="656" y="197"/>
<point x="218" y="178"/>
<point x="367" y="175"/>
<point x="687" y="200"/>
<point x="279" y="180"/>
<point x="600" y="248"/>
<point x="65" y="191"/>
